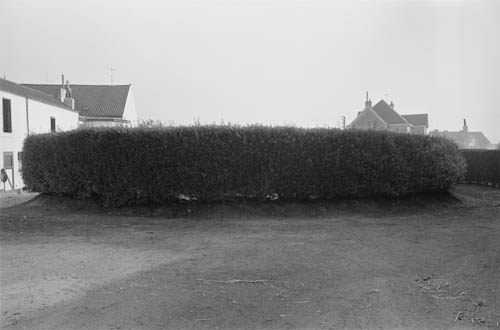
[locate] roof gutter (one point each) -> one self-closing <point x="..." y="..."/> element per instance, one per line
<point x="115" y="119"/>
<point x="27" y="118"/>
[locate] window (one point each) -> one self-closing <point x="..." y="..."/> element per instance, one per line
<point x="52" y="124"/>
<point x="8" y="166"/>
<point x="20" y="160"/>
<point x="8" y="160"/>
<point x="7" y="116"/>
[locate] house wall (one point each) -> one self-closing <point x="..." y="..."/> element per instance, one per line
<point x="39" y="122"/>
<point x="39" y="118"/>
<point x="368" y="120"/>
<point x="130" y="113"/>
<point x="419" y="130"/>
<point x="13" y="142"/>
<point x="104" y="123"/>
<point x="399" y="128"/>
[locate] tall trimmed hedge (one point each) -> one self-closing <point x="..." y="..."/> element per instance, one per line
<point x="214" y="163"/>
<point x="483" y="166"/>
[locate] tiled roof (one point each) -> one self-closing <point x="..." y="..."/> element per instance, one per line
<point x="469" y="140"/>
<point x="95" y="100"/>
<point x="32" y="94"/>
<point x="388" y="114"/>
<point x="417" y="120"/>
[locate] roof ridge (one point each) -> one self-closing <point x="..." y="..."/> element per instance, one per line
<point x="40" y="94"/>
<point x="377" y="115"/>
<point x="24" y="84"/>
<point x="383" y="103"/>
<point x="35" y="90"/>
<point x="98" y="100"/>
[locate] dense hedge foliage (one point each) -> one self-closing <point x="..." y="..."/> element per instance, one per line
<point x="483" y="166"/>
<point x="213" y="163"/>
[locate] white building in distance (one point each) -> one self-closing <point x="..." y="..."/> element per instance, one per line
<point x="27" y="111"/>
<point x="98" y="105"/>
<point x="383" y="117"/>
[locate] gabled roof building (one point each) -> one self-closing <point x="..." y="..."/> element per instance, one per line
<point x="382" y="116"/>
<point x="466" y="139"/>
<point x="97" y="105"/>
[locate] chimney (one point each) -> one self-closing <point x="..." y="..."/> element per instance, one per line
<point x="368" y="102"/>
<point x="62" y="90"/>
<point x="392" y="105"/>
<point x="465" y="128"/>
<point x="68" y="99"/>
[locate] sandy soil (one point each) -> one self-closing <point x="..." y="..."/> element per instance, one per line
<point x="286" y="266"/>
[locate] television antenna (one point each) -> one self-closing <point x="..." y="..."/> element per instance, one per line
<point x="111" y="73"/>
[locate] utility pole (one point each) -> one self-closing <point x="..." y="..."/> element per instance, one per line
<point x="342" y="120"/>
<point x="111" y="73"/>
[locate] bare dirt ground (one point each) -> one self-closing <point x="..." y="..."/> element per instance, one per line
<point x="9" y="199"/>
<point x="420" y="264"/>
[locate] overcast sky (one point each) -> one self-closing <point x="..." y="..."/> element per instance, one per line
<point x="272" y="62"/>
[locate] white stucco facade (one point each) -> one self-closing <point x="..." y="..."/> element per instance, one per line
<point x="27" y="116"/>
<point x="130" y="113"/>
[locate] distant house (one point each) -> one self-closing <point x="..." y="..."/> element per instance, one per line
<point x="466" y="139"/>
<point x="383" y="117"/>
<point x="26" y="111"/>
<point x="419" y="123"/>
<point x="98" y="105"/>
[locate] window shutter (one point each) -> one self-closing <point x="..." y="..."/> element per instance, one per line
<point x="7" y="116"/>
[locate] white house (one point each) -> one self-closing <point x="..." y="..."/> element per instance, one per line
<point x="27" y="111"/>
<point x="98" y="105"/>
<point x="383" y="117"/>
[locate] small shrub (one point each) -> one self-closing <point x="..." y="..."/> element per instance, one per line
<point x="217" y="163"/>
